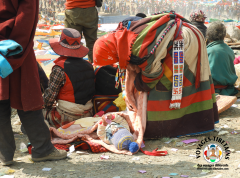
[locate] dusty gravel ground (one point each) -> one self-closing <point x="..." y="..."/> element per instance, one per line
<point x="123" y="166"/>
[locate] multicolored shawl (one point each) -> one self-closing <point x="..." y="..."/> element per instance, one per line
<point x="198" y="111"/>
<point x="152" y="51"/>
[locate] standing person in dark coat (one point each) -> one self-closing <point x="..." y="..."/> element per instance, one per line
<point x="71" y="83"/>
<point x="197" y="18"/>
<point x="19" y="82"/>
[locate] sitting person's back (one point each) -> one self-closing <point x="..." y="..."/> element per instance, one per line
<point x="71" y="82"/>
<point x="221" y="58"/>
<point x="79" y="80"/>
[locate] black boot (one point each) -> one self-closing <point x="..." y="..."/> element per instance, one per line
<point x="7" y="142"/>
<point x="37" y="132"/>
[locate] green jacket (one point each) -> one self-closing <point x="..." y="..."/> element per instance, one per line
<point x="221" y="58"/>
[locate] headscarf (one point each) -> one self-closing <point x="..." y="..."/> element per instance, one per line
<point x="198" y="16"/>
<point x="114" y="47"/>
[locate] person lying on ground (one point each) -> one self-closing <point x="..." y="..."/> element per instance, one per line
<point x="221" y="58"/>
<point x="71" y="83"/>
<point x="19" y="81"/>
<point x="114" y="129"/>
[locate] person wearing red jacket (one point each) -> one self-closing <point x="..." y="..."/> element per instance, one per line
<point x="19" y="82"/>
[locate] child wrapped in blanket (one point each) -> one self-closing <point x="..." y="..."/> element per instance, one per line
<point x="114" y="129"/>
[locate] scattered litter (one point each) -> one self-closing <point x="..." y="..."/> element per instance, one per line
<point x="6" y="171"/>
<point x="224" y="126"/>
<point x="30" y="159"/>
<point x="18" y="122"/>
<point x="234" y="105"/>
<point x="173" y="174"/>
<point x="239" y="165"/>
<point x="142" y="145"/>
<point x="205" y="171"/>
<point x="193" y="156"/>
<point x="82" y="152"/>
<point x="23" y="145"/>
<point x="71" y="149"/>
<point x="117" y="177"/>
<point x="237" y="151"/>
<point x="23" y="148"/>
<point x="223" y="132"/>
<point x="71" y="170"/>
<point x="184" y="176"/>
<point x="179" y="144"/>
<point x="166" y="177"/>
<point x="196" y="166"/>
<point x="193" y="144"/>
<point x="19" y="159"/>
<point x="7" y="176"/>
<point x="104" y="157"/>
<point x="219" y="175"/>
<point x="168" y="142"/>
<point x="10" y="171"/>
<point x="46" y="169"/>
<point x="136" y="159"/>
<point x="234" y="132"/>
<point x="166" y="139"/>
<point x="190" y="141"/>
<point x="174" y="149"/>
<point x="190" y="145"/>
<point x="142" y="171"/>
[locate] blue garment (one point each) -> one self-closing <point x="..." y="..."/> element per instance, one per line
<point x="5" y="67"/>
<point x="221" y="58"/>
<point x="8" y="48"/>
<point x="125" y="21"/>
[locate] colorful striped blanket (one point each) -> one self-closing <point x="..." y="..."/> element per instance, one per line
<point x="152" y="52"/>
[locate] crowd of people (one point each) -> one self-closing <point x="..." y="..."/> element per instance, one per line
<point x="50" y="8"/>
<point x="122" y="7"/>
<point x="167" y="73"/>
